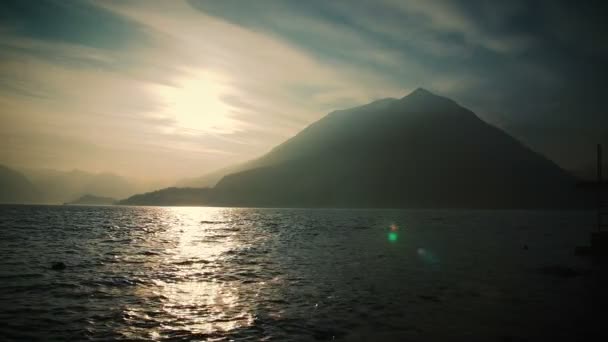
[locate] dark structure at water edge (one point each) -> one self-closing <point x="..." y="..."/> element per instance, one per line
<point x="599" y="237"/>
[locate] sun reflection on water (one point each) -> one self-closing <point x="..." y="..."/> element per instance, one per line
<point x="192" y="281"/>
<point x="205" y="307"/>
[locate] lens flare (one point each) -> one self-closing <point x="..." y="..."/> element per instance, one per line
<point x="393" y="234"/>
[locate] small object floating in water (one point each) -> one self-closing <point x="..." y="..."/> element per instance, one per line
<point x="525" y="248"/>
<point x="58" y="266"/>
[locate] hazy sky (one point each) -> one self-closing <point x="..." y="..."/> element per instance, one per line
<point x="179" y="88"/>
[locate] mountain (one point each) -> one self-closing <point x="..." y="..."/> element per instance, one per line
<point x="422" y="150"/>
<point x="89" y="199"/>
<point x="15" y="187"/>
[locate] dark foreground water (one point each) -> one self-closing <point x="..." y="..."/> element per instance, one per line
<point x="137" y="273"/>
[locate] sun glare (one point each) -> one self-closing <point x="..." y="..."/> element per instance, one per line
<point x="196" y="103"/>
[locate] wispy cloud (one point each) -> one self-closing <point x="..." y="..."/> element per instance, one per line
<point x="200" y="86"/>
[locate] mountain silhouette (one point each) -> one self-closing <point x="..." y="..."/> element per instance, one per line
<point x="172" y="196"/>
<point x="422" y="150"/>
<point x="15" y="187"/>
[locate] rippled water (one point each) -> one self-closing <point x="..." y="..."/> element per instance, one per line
<point x="212" y="274"/>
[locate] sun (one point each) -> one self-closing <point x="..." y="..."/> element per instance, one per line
<point x="195" y="103"/>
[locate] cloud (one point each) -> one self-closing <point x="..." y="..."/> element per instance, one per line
<point x="191" y="86"/>
<point x="202" y="88"/>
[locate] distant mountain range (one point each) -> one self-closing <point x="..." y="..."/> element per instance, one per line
<point x="422" y="150"/>
<point x="55" y="187"/>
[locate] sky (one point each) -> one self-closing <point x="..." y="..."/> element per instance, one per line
<point x="178" y="88"/>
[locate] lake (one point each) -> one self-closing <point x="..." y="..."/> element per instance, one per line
<point x="188" y="273"/>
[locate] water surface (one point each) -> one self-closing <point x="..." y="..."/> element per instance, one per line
<point x="220" y="274"/>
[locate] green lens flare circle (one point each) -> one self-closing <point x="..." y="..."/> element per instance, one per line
<point x="393" y="236"/>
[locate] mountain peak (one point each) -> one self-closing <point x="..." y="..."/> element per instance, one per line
<point x="421" y="93"/>
<point x="421" y="90"/>
<point x="423" y="100"/>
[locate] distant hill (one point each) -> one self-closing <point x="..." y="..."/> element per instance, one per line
<point x="422" y="150"/>
<point x="89" y="199"/>
<point x="171" y="197"/>
<point x="16" y="188"/>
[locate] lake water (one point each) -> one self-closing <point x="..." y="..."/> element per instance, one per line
<point x="153" y="273"/>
